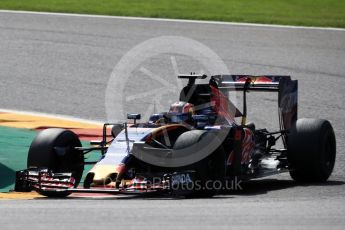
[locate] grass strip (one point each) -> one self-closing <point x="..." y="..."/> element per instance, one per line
<point x="327" y="13"/>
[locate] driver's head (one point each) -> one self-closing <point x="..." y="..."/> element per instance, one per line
<point x="181" y="112"/>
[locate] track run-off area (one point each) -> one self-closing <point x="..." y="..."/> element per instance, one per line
<point x="61" y="64"/>
<point x="18" y="129"/>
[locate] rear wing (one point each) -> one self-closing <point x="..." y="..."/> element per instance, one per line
<point x="250" y="83"/>
<point x="286" y="88"/>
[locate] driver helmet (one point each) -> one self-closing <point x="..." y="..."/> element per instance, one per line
<point x="181" y="112"/>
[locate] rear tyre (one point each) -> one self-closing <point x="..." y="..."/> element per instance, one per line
<point x="311" y="150"/>
<point x="210" y="171"/>
<point x="54" y="149"/>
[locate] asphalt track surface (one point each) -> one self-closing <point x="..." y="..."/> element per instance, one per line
<point x="61" y="65"/>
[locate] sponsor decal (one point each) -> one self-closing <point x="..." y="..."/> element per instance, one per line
<point x="181" y="179"/>
<point x="247" y="147"/>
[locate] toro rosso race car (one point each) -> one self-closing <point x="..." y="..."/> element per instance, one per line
<point x="194" y="149"/>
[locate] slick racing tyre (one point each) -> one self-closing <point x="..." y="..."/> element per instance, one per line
<point x="209" y="170"/>
<point x="54" y="149"/>
<point x="311" y="150"/>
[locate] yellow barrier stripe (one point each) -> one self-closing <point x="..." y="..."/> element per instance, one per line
<point x="19" y="195"/>
<point x="34" y="121"/>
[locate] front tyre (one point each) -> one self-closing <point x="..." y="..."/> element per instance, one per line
<point x="311" y="150"/>
<point x="55" y="150"/>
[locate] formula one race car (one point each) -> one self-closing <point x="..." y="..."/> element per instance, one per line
<point x="194" y="149"/>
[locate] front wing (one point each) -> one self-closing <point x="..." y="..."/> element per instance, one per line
<point x="48" y="183"/>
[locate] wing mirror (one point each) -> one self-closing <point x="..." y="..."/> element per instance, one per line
<point x="134" y="116"/>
